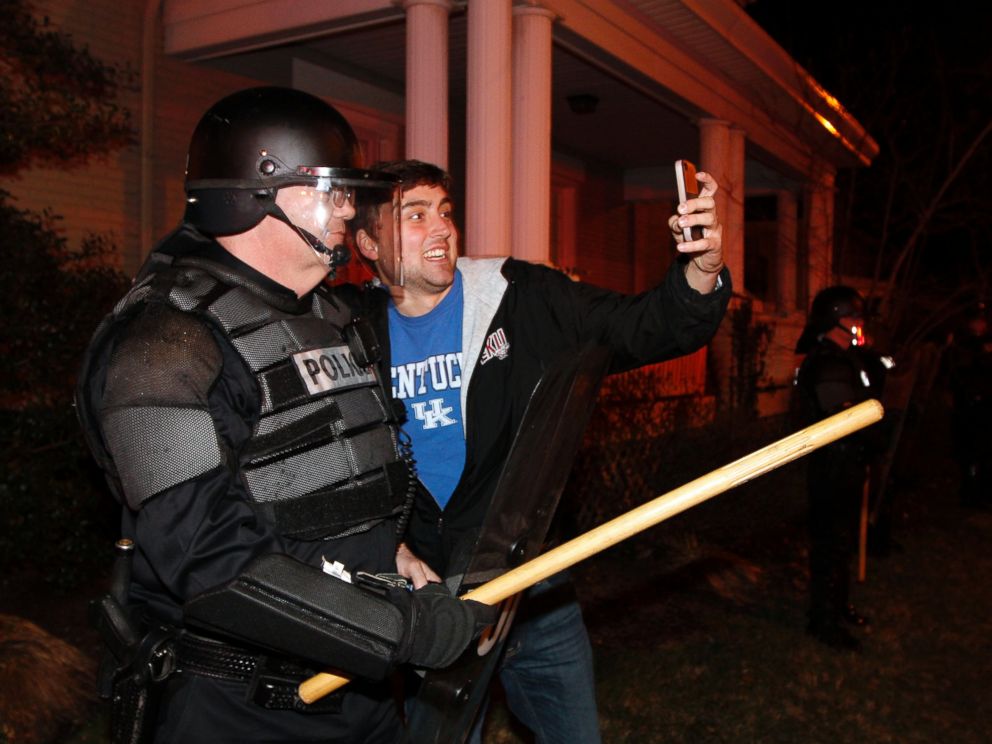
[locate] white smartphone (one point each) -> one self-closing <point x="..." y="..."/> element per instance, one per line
<point x="685" y="179"/>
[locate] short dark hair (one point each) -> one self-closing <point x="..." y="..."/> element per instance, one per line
<point x="412" y="173"/>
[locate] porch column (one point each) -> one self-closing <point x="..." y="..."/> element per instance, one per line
<point x="488" y="129"/>
<point x="531" y="176"/>
<point x="427" y="80"/>
<point x="785" y="253"/>
<point x="721" y="153"/>
<point x="733" y="232"/>
<point x="820" y="233"/>
<point x="567" y="207"/>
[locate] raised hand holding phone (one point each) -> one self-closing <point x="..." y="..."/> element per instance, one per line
<point x="696" y="227"/>
<point x="685" y="180"/>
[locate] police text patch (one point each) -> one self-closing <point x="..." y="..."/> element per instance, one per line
<point x="332" y="368"/>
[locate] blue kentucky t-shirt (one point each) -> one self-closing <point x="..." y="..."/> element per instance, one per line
<point x="427" y="376"/>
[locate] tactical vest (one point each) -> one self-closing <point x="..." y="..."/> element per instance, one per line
<point x="323" y="459"/>
<point x="842" y="376"/>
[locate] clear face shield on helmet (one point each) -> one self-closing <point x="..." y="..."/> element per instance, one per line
<point x="390" y="215"/>
<point x="377" y="227"/>
<point x="320" y="201"/>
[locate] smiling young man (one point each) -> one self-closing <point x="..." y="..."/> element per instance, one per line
<point x="468" y="341"/>
<point x="427" y="265"/>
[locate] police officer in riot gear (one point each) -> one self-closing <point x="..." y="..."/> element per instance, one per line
<point x="833" y="377"/>
<point x="233" y="404"/>
<point x="969" y="363"/>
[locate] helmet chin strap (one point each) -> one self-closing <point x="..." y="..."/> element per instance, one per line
<point x="334" y="256"/>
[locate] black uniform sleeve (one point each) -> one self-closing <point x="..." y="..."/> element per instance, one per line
<point x="669" y="321"/>
<point x="279" y="602"/>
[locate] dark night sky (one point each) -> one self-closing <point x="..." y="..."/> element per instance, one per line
<point x="833" y="39"/>
<point x="888" y="59"/>
<point x="918" y="76"/>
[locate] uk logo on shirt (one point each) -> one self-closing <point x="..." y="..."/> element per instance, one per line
<point x="433" y="413"/>
<point x="497" y="347"/>
<point x="430" y="388"/>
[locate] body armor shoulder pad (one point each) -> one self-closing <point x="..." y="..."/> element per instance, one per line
<point x="160" y="371"/>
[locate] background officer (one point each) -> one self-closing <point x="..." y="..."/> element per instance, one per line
<point x="970" y="376"/>
<point x="834" y="376"/>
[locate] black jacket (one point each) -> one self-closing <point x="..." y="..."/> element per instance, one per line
<point x="541" y="314"/>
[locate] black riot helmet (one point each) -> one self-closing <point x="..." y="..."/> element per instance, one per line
<point x="252" y="143"/>
<point x="829" y="306"/>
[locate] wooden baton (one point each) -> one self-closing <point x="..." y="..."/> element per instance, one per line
<point x="647" y="515"/>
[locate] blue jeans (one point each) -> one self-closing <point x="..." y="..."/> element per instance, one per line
<point x="547" y="671"/>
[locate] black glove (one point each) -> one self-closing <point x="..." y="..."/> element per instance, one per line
<point x="439" y="627"/>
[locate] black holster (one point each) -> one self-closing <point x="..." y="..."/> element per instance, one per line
<point x="132" y="674"/>
<point x="137" y="660"/>
<point x="131" y="720"/>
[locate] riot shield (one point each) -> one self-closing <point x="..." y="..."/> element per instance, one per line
<point x="514" y="531"/>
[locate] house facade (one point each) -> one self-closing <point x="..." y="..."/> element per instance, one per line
<point x="559" y="119"/>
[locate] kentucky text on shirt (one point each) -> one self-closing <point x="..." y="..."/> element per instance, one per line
<point x="435" y="373"/>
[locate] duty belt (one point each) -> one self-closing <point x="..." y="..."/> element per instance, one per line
<point x="272" y="681"/>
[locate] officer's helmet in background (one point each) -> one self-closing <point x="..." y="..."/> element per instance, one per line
<point x="829" y="306"/>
